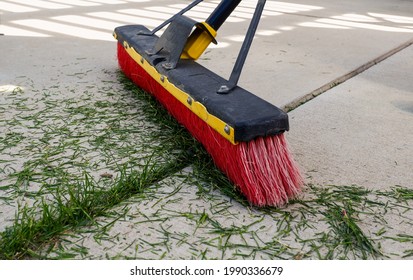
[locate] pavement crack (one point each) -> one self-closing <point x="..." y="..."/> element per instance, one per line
<point x="341" y="79"/>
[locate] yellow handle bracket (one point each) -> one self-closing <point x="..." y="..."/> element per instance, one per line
<point x="198" y="41"/>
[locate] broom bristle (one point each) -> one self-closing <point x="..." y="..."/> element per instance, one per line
<point x="263" y="169"/>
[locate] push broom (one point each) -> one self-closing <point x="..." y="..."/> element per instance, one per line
<point x="243" y="133"/>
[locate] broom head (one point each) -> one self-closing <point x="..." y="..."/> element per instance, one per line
<point x="243" y="133"/>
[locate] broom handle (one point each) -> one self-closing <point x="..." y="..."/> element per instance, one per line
<point x="239" y="63"/>
<point x="215" y="20"/>
<point x="221" y="13"/>
<point x="242" y="56"/>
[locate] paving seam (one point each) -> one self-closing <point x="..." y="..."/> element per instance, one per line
<point x="324" y="88"/>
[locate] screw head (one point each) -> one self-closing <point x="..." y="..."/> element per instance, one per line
<point x="167" y="66"/>
<point x="223" y="89"/>
<point x="227" y="129"/>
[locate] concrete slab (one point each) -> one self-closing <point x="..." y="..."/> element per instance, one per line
<point x="304" y="45"/>
<point x="299" y="46"/>
<point x="361" y="131"/>
<point x="64" y="113"/>
<point x="183" y="217"/>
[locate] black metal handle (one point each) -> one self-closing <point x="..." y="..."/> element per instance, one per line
<point x="242" y="56"/>
<point x="221" y="13"/>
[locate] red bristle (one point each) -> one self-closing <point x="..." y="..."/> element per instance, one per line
<point x="262" y="169"/>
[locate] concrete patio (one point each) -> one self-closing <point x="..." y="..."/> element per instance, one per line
<point x="342" y="70"/>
